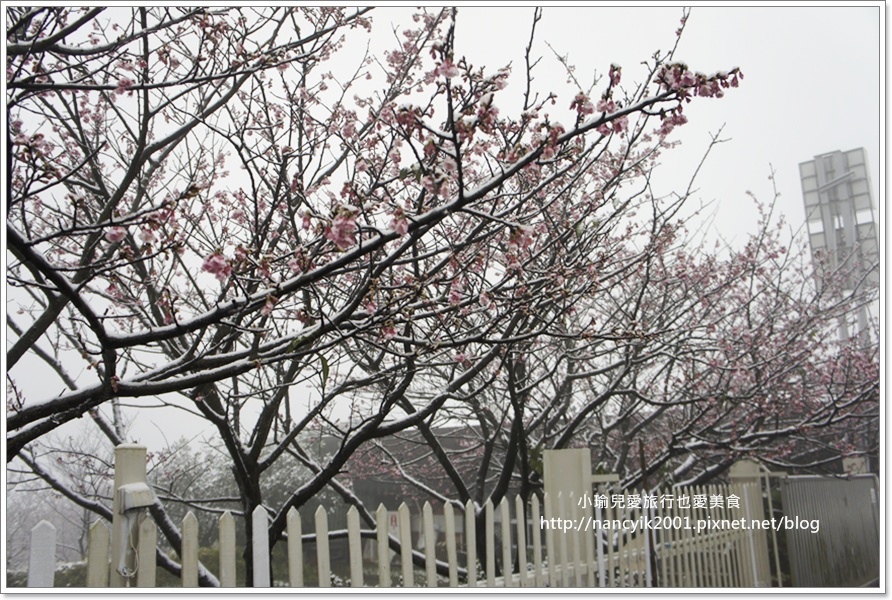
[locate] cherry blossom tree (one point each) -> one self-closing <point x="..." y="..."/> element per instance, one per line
<point x="680" y="361"/>
<point x="231" y="213"/>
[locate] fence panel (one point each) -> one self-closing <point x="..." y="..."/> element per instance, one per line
<point x="839" y="542"/>
<point x="585" y="554"/>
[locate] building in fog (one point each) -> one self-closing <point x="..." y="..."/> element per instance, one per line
<point x="840" y="216"/>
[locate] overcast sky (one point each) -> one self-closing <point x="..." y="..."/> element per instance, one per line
<point x="813" y="84"/>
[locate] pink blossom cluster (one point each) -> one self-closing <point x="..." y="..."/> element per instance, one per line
<point x="269" y="305"/>
<point x="408" y="117"/>
<point x="217" y="265"/>
<point x="670" y="122"/>
<point x="582" y="104"/>
<point x="116" y="234"/>
<point x="616" y="125"/>
<point x="487" y="114"/>
<point x="447" y="69"/>
<point x="399" y="223"/>
<point x="676" y="77"/>
<point x="342" y="230"/>
<point x="555" y="131"/>
<point x="124" y="84"/>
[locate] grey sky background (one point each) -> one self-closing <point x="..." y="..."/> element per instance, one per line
<point x="814" y="83"/>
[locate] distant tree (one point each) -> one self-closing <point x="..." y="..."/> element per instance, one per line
<point x="221" y="211"/>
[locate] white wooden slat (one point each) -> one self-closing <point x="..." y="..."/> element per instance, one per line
<point x="506" y="543"/>
<point x="648" y="545"/>
<point x="599" y="549"/>
<point x="471" y="542"/>
<point x="97" y="555"/>
<point x="382" y="531"/>
<point x="691" y="547"/>
<point x="536" y="530"/>
<point x="406" y="546"/>
<point x="521" y="540"/>
<point x="620" y="554"/>
<point x="295" y="549"/>
<point x="451" y="550"/>
<point x="589" y="542"/>
<point x="695" y="544"/>
<point x="663" y="546"/>
<point x="430" y="549"/>
<point x="260" y="547"/>
<point x="42" y="559"/>
<point x="145" y="552"/>
<point x="323" y="557"/>
<point x="575" y="539"/>
<point x="354" y="543"/>
<point x="562" y="542"/>
<point x="711" y="543"/>
<point x="552" y="556"/>
<point x="490" y="544"/>
<point x="189" y="555"/>
<point x="226" y="526"/>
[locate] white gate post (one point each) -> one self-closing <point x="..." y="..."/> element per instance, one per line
<point x="569" y="471"/>
<point x="130" y="467"/>
<point x="746" y="474"/>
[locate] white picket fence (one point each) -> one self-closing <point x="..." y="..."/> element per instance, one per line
<point x="556" y="543"/>
<point x="552" y="558"/>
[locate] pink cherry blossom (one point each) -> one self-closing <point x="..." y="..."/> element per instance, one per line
<point x="448" y="70"/>
<point x="124" y="84"/>
<point x="399" y="223"/>
<point x="147" y="235"/>
<point x="462" y="359"/>
<point x="217" y="265"/>
<point x="269" y="305"/>
<point x="342" y="231"/>
<point x="582" y="104"/>
<point x="116" y="234"/>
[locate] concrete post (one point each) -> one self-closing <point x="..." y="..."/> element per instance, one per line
<point x="130" y="467"/>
